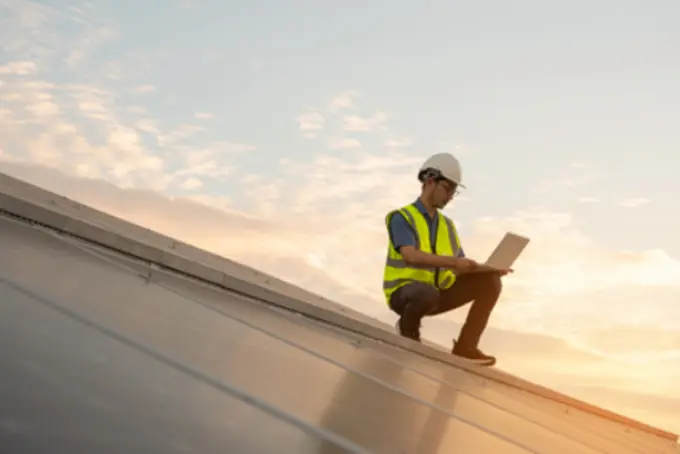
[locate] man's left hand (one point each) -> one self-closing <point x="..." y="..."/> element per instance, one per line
<point x="491" y="269"/>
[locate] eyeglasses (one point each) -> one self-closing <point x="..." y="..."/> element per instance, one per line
<point x="449" y="186"/>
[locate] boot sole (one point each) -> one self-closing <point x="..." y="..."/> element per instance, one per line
<point x="480" y="362"/>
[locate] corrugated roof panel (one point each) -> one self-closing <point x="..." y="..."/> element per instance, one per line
<point x="68" y="389"/>
<point x="147" y="354"/>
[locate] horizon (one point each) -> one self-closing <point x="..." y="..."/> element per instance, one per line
<point x="279" y="134"/>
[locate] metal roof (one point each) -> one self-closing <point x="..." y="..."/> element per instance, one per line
<point x="106" y="352"/>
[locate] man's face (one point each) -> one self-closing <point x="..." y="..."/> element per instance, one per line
<point x="442" y="192"/>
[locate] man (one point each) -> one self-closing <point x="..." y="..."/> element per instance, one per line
<point x="427" y="273"/>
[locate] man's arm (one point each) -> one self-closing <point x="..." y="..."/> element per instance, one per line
<point x="482" y="268"/>
<point x="404" y="240"/>
<point x="401" y="233"/>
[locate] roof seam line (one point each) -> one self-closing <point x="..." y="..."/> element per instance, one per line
<point x="225" y="388"/>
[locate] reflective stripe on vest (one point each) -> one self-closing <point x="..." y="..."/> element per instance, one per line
<point x="398" y="272"/>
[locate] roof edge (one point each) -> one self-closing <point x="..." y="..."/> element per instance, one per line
<point x="30" y="202"/>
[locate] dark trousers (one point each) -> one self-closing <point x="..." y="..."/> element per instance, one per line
<point x="414" y="301"/>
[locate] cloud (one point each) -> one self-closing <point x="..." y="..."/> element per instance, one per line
<point x="353" y="185"/>
<point x="78" y="120"/>
<point x="179" y="134"/>
<point x="334" y="125"/>
<point x="19" y="68"/>
<point x="191" y="184"/>
<point x="576" y="175"/>
<point x="22" y="30"/>
<point x="203" y="115"/>
<point x="567" y="284"/>
<point x="145" y="88"/>
<point x="588" y="199"/>
<point x="45" y="122"/>
<point x="355" y="123"/>
<point x="136" y="110"/>
<point x="91" y="37"/>
<point x="53" y="36"/>
<point x="64" y="105"/>
<point x="343" y="101"/>
<point x="310" y="124"/>
<point x="398" y="143"/>
<point x="338" y="144"/>
<point x="634" y="202"/>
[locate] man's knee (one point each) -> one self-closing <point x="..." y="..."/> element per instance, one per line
<point x="423" y="296"/>
<point x="488" y="284"/>
<point x="494" y="283"/>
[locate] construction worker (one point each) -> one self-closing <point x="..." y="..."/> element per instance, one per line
<point x="427" y="273"/>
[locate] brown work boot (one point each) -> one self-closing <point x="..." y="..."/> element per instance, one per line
<point x="408" y="329"/>
<point x="472" y="354"/>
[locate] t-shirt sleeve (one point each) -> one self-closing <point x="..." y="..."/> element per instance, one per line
<point x="401" y="233"/>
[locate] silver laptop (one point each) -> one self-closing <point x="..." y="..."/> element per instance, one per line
<point x="507" y="251"/>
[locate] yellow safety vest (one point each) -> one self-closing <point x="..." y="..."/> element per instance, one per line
<point x="398" y="273"/>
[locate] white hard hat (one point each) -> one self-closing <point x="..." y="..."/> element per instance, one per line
<point x="442" y="165"/>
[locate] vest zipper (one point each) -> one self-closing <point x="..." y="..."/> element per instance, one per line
<point x="434" y="249"/>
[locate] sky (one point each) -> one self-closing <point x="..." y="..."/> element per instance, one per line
<point x="280" y="133"/>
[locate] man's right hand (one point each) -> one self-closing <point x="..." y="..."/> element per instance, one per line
<point x="459" y="265"/>
<point x="464" y="265"/>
